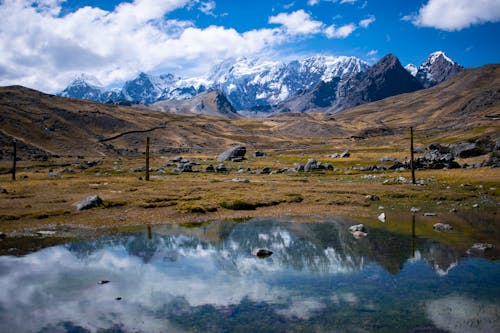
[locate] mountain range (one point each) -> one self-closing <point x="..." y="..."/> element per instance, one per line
<point x="255" y="85"/>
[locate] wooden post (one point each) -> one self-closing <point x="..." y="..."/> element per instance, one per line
<point x="14" y="159"/>
<point x="412" y="162"/>
<point x="147" y="158"/>
<point x="413" y="236"/>
<point x="150" y="232"/>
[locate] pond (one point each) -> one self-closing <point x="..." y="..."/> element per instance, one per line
<point x="175" y="278"/>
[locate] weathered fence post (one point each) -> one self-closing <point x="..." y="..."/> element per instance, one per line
<point x="412" y="162"/>
<point x="14" y="159"/>
<point x="147" y="158"/>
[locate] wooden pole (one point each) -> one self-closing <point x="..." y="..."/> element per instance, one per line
<point x="412" y="161"/>
<point x="150" y="232"/>
<point x="14" y="159"/>
<point x="147" y="158"/>
<point x="413" y="236"/>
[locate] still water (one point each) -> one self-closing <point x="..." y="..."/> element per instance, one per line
<point x="320" y="278"/>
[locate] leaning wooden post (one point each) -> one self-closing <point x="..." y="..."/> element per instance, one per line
<point x="14" y="145"/>
<point x="412" y="162"/>
<point x="147" y="158"/>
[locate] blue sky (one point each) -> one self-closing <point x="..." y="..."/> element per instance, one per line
<point x="46" y="43"/>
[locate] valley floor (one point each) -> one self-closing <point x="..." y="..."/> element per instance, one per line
<point x="39" y="201"/>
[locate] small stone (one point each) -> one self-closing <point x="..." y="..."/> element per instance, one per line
<point x="482" y="247"/>
<point x="240" y="180"/>
<point x="381" y="217"/>
<point x="118" y="298"/>
<point x="262" y="253"/>
<point x="381" y="207"/>
<point x="442" y="227"/>
<point x="430" y="214"/>
<point x="453" y="210"/>
<point x="3" y="235"/>
<point x="45" y="233"/>
<point x="414" y="209"/>
<point x="89" y="202"/>
<point x="372" y="197"/>
<point x="475" y="205"/>
<point x="357" y="227"/>
<point x="3" y="190"/>
<point x="103" y="281"/>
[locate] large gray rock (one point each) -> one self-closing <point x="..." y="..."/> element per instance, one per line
<point x="311" y="165"/>
<point x="89" y="202"/>
<point x="468" y="149"/>
<point x="237" y="153"/>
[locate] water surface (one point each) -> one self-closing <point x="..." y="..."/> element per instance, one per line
<point x="205" y="279"/>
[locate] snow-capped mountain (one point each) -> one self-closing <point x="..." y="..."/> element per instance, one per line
<point x="247" y="83"/>
<point x="438" y="67"/>
<point x="252" y="83"/>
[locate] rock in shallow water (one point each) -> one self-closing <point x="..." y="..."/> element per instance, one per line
<point x="262" y="253"/>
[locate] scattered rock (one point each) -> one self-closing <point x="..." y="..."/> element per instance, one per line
<point x="345" y="154"/>
<point x="468" y="149"/>
<point x="3" y="235"/>
<point x="381" y="217"/>
<point x="232" y="153"/>
<point x="210" y="168"/>
<point x="475" y="205"/>
<point x="265" y="171"/>
<point x="240" y="180"/>
<point x="89" y="202"/>
<point x="45" y="233"/>
<point x="381" y="207"/>
<point x="453" y="210"/>
<point x="221" y="168"/>
<point x="357" y="227"/>
<point x="372" y="197"/>
<point x="430" y="214"/>
<point x="103" y="281"/>
<point x="262" y="253"/>
<point x="336" y="155"/>
<point x="442" y="227"/>
<point x="480" y="248"/>
<point x="118" y="298"/>
<point x="387" y="159"/>
<point x="414" y="209"/>
<point x="3" y="190"/>
<point x="259" y="154"/>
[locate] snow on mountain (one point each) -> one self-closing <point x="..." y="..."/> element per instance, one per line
<point x="247" y="83"/>
<point x="253" y="83"/>
<point x="84" y="87"/>
<point x="412" y="69"/>
<point x="438" y="67"/>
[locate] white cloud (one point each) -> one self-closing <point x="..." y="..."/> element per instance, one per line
<point x="297" y="23"/>
<point x="341" y="32"/>
<point x="43" y="50"/>
<point x="208" y="7"/>
<point x="454" y="15"/>
<point x="366" y="22"/>
<point x="372" y="53"/>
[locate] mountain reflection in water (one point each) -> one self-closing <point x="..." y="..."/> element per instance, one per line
<point x="319" y="278"/>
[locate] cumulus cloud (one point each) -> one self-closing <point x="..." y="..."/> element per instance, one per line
<point x="297" y="23"/>
<point x="315" y="2"/>
<point x="45" y="50"/>
<point x="366" y="22"/>
<point x="340" y="32"/>
<point x="454" y="15"/>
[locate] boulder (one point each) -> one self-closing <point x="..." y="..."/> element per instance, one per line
<point x="89" y="202"/>
<point x="240" y="180"/>
<point x="357" y="227"/>
<point x="232" y="153"/>
<point x="468" y="149"/>
<point x="372" y="197"/>
<point x="345" y="154"/>
<point x="359" y="234"/>
<point x="266" y="171"/>
<point x="210" y="168"/>
<point x="311" y="165"/>
<point x="221" y="168"/>
<point x="442" y="227"/>
<point x="381" y="217"/>
<point x="259" y="154"/>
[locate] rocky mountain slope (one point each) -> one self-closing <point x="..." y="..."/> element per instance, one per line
<point x="211" y="102"/>
<point x="384" y="79"/>
<point x="437" y="68"/>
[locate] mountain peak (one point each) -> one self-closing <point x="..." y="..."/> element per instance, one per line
<point x="437" y="68"/>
